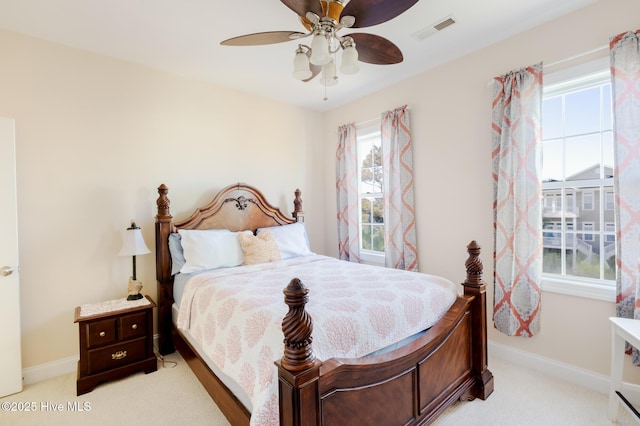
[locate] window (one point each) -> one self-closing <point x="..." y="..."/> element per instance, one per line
<point x="577" y="180"/>
<point x="587" y="200"/>
<point x="608" y="200"/>
<point x="588" y="226"/>
<point x="610" y="232"/>
<point x="552" y="201"/>
<point x="370" y="182"/>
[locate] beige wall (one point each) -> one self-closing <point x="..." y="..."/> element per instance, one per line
<point x="451" y="116"/>
<point x="95" y="137"/>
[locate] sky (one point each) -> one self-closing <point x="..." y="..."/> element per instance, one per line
<point x="582" y="138"/>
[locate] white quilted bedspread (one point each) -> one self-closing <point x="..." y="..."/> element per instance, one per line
<point x="236" y="315"/>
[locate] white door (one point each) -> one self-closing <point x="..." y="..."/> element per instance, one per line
<point x="10" y="358"/>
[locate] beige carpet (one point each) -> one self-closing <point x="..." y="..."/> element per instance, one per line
<point x="525" y="397"/>
<point x="173" y="396"/>
<point x="169" y="396"/>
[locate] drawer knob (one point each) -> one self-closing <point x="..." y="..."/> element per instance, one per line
<point x="134" y="326"/>
<point x="102" y="334"/>
<point x="119" y="355"/>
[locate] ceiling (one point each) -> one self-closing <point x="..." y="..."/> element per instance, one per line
<point x="183" y="37"/>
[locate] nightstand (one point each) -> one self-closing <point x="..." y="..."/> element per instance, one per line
<point x="116" y="339"/>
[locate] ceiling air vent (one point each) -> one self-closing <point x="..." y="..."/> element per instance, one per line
<point x="433" y="28"/>
<point x="444" y="24"/>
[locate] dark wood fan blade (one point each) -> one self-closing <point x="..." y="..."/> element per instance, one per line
<point x="377" y="50"/>
<point x="374" y="12"/>
<point x="301" y="7"/>
<point x="258" y="39"/>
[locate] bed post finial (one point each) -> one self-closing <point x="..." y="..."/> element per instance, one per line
<point x="297" y="328"/>
<point x="163" y="201"/>
<point x="298" y="369"/>
<point x="474" y="265"/>
<point x="297" y="213"/>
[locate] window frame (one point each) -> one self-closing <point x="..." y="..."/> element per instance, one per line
<point x="571" y="79"/>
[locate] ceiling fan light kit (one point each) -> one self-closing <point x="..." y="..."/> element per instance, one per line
<point x="320" y="53"/>
<point x="301" y="70"/>
<point x="349" y="63"/>
<point x="323" y="19"/>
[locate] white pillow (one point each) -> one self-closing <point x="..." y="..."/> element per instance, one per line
<point x="292" y="239"/>
<point x="210" y="249"/>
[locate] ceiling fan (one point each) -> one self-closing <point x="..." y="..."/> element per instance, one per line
<point x="323" y="19"/>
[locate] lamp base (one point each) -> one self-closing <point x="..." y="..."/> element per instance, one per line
<point x="134" y="288"/>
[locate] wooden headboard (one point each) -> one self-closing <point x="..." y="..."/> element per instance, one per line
<point x="237" y="207"/>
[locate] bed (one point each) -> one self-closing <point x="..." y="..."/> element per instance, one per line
<point x="407" y="377"/>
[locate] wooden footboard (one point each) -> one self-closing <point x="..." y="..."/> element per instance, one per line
<point x="410" y="385"/>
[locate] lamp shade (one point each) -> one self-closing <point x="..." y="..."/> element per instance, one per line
<point x="349" y="63"/>
<point x="320" y="50"/>
<point x="301" y="69"/>
<point x="132" y="242"/>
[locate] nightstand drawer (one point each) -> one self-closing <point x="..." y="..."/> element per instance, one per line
<point x="100" y="333"/>
<point x="116" y="355"/>
<point x="132" y="326"/>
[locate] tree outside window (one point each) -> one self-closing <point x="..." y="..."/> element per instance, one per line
<point x="371" y="191"/>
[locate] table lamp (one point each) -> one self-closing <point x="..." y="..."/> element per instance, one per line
<point x="133" y="245"/>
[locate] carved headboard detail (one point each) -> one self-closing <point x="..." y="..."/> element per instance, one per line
<point x="237" y="207"/>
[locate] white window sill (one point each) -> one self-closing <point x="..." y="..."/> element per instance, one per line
<point x="371" y="258"/>
<point x="579" y="288"/>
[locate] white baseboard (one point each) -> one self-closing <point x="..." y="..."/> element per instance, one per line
<point x="567" y="372"/>
<point x="49" y="370"/>
<point x="52" y="369"/>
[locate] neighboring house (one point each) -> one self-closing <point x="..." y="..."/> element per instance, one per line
<point x="581" y="211"/>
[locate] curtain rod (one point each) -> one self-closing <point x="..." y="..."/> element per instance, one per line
<point x="366" y="122"/>
<point x="574" y="57"/>
<point x="373" y="120"/>
<point x="569" y="59"/>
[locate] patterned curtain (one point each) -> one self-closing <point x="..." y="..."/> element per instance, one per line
<point x="517" y="159"/>
<point x="625" y="74"/>
<point x="399" y="212"/>
<point x="347" y="194"/>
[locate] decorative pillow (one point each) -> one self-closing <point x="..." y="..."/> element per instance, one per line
<point x="177" y="254"/>
<point x="210" y="249"/>
<point x="292" y="239"/>
<point x="259" y="248"/>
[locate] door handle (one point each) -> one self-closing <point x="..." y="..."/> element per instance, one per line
<point x="5" y="271"/>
